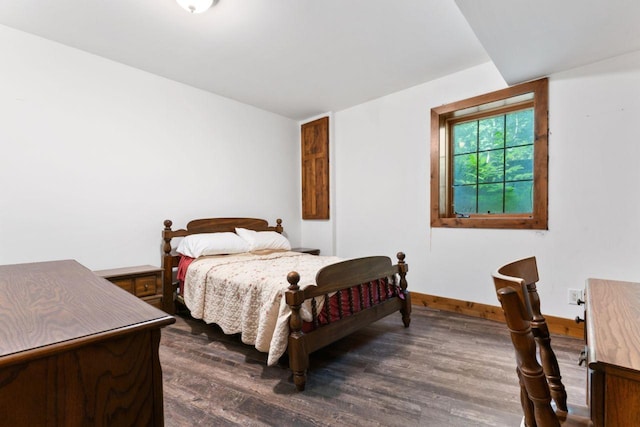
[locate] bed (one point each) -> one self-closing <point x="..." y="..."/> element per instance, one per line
<point x="311" y="301"/>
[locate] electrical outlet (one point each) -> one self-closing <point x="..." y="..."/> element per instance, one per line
<point x="574" y="295"/>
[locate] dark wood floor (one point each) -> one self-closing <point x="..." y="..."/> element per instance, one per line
<point x="445" y="370"/>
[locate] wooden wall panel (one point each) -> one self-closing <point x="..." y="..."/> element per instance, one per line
<point x="315" y="169"/>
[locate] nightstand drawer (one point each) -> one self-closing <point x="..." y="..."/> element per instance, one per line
<point x="126" y="284"/>
<point x="155" y="301"/>
<point x="145" y="286"/>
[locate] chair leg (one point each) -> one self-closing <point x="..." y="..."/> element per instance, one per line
<point x="529" y="419"/>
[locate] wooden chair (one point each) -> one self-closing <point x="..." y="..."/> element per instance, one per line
<point x="522" y="276"/>
<point x="516" y="288"/>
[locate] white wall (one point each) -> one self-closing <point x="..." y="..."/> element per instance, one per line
<point x="95" y="155"/>
<point x="382" y="173"/>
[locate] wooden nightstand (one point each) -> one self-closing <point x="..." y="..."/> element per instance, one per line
<point x="311" y="251"/>
<point x="143" y="281"/>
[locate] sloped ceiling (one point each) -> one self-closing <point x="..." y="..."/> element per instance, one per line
<point x="296" y="58"/>
<point x="300" y="58"/>
<point x="531" y="39"/>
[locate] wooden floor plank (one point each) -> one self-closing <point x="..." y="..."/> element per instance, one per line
<point x="446" y="369"/>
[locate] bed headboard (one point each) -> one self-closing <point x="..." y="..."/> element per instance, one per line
<point x="206" y="225"/>
<point x="215" y="225"/>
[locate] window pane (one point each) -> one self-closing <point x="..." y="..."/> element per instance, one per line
<point x="465" y="137"/>
<point x="519" y="128"/>
<point x="519" y="197"/>
<point x="490" y="198"/>
<point x="491" y="166"/>
<point x="519" y="164"/>
<point x="465" y="169"/>
<point x="491" y="133"/>
<point x="464" y="199"/>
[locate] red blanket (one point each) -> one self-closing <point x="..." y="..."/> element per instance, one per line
<point x="183" y="264"/>
<point x="380" y="291"/>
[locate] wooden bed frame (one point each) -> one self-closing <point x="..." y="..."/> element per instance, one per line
<point x="332" y="278"/>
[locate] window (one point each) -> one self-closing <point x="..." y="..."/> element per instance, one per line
<point x="489" y="160"/>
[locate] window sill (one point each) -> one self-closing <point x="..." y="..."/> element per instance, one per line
<point x="502" y="222"/>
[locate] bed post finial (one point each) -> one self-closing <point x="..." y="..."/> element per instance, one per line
<point x="166" y="247"/>
<point x="406" y="302"/>
<point x="293" y="278"/>
<point x="294" y="298"/>
<point x="279" y="227"/>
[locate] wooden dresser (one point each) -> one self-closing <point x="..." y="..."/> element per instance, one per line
<point x="76" y="350"/>
<point x="613" y="352"/>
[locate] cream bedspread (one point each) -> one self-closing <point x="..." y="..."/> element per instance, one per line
<point x="245" y="294"/>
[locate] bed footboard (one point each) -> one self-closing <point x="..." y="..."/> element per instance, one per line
<point x="356" y="273"/>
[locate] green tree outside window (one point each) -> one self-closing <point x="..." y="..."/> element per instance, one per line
<point x="493" y="164"/>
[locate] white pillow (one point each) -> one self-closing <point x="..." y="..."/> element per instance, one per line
<point x="260" y="240"/>
<point x="196" y="245"/>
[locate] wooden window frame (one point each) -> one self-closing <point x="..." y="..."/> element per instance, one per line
<point x="441" y="210"/>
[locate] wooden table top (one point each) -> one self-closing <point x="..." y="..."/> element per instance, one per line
<point x="48" y="305"/>
<point x="613" y="323"/>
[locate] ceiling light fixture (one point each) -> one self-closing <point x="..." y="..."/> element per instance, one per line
<point x="195" y="6"/>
